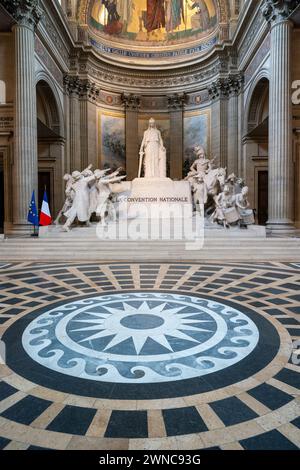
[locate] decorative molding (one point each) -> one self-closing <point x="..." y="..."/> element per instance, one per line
<point x="25" y="12"/>
<point x="260" y="55"/>
<point x="275" y="11"/>
<point x="190" y="76"/>
<point x="47" y="60"/>
<point x="250" y="37"/>
<point x="52" y="32"/>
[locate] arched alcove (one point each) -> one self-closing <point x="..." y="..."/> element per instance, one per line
<point x="50" y="128"/>
<point x="255" y="142"/>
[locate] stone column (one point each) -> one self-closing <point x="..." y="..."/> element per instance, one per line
<point x="176" y="108"/>
<point x="218" y="92"/>
<point x="234" y="85"/>
<point x="132" y="104"/>
<point x="73" y="88"/>
<point x="281" y="188"/>
<point x="25" y="161"/>
<point x="88" y="123"/>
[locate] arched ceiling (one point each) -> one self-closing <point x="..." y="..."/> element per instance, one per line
<point x="153" y="31"/>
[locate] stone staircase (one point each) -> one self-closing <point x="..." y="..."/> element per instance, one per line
<point x="91" y="249"/>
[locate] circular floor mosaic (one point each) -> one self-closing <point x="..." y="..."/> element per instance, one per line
<point x="149" y="356"/>
<point x="140" y="337"/>
<point x="103" y="344"/>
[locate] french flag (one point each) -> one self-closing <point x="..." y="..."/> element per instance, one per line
<point x="45" y="216"/>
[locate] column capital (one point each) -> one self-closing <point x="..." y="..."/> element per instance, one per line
<point x="218" y="89"/>
<point x="72" y="84"/>
<point x="226" y="86"/>
<point x="176" y="102"/>
<point x="235" y="83"/>
<point x="89" y="90"/>
<point x="25" y="12"/>
<point x="131" y="101"/>
<point x="276" y="11"/>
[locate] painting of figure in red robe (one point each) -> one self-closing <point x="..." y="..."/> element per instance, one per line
<point x="155" y="16"/>
<point x="152" y="21"/>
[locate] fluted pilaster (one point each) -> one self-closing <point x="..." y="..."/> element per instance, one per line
<point x="176" y="108"/>
<point x="219" y="92"/>
<point x="235" y="83"/>
<point x="73" y="88"/>
<point x="131" y="103"/>
<point x="25" y="160"/>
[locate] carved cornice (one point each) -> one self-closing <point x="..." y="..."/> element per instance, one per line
<point x="226" y="86"/>
<point x="126" y="79"/>
<point x="176" y="102"/>
<point x="275" y="11"/>
<point x="25" y="12"/>
<point x="131" y="101"/>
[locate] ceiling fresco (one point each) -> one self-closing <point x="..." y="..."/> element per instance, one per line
<point x="153" y="21"/>
<point x="152" y="29"/>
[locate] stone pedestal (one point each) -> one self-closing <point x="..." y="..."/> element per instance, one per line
<point x="155" y="198"/>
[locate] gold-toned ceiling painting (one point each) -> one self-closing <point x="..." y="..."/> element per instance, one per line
<point x="150" y="21"/>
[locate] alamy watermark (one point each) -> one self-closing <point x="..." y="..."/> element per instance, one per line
<point x="2" y="352"/>
<point x="145" y="222"/>
<point x="296" y="92"/>
<point x="295" y="357"/>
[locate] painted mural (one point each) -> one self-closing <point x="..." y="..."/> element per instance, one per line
<point x="196" y="132"/>
<point x="170" y="21"/>
<point x="112" y="140"/>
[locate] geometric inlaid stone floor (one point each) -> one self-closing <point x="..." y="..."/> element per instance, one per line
<point x="150" y="356"/>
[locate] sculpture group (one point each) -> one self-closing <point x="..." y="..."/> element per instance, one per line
<point x="88" y="193"/>
<point x="223" y="200"/>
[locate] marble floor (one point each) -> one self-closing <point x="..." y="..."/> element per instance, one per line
<point x="182" y="356"/>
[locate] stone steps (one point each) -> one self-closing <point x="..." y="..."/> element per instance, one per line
<point x="89" y="250"/>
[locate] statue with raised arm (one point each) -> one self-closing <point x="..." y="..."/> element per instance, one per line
<point x="104" y="206"/>
<point x="68" y="198"/>
<point x="80" y="194"/>
<point x="153" y="153"/>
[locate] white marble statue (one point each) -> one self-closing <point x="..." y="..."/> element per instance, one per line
<point x="80" y="193"/>
<point x="68" y="198"/>
<point x="94" y="190"/>
<point x="235" y="184"/>
<point x="243" y="207"/>
<point x="225" y="211"/>
<point x="201" y="165"/>
<point x="199" y="190"/>
<point x="105" y="207"/>
<point x="153" y="153"/>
